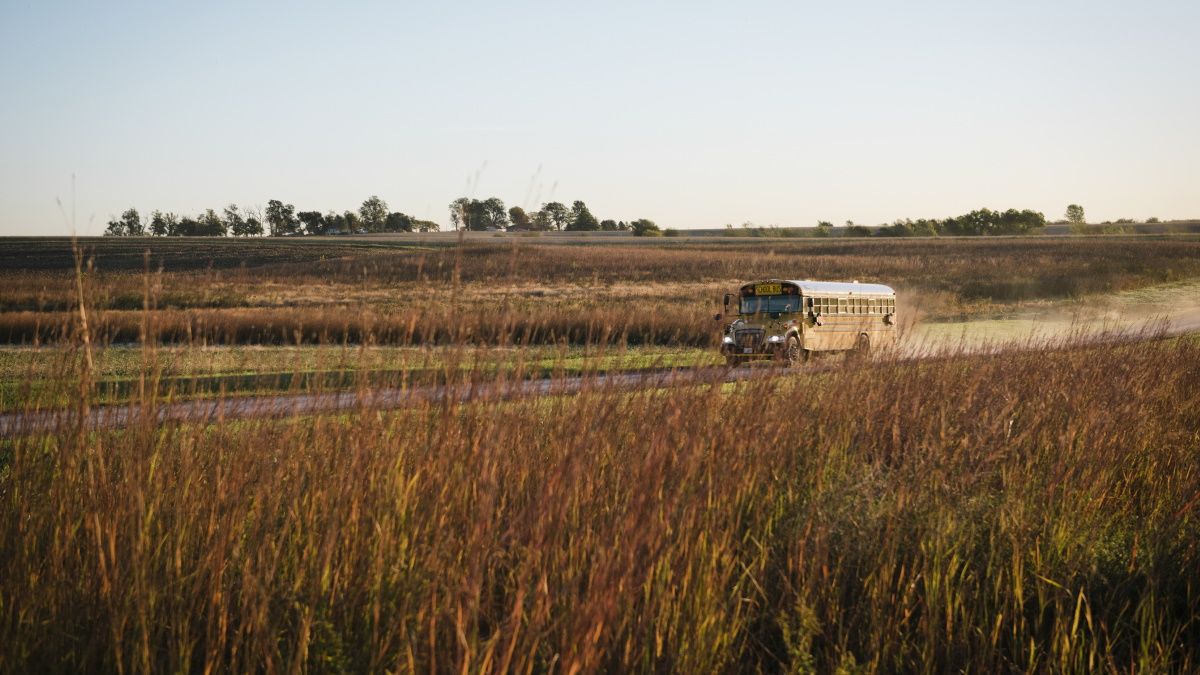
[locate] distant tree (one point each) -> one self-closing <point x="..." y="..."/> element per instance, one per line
<point x="924" y="227"/>
<point x="900" y="228"/>
<point x="254" y="227"/>
<point x="1152" y="220"/>
<point x="354" y="224"/>
<point x="644" y="228"/>
<point x="458" y="212"/>
<point x="622" y="225"/>
<point x="475" y="216"/>
<point x="541" y="220"/>
<point x="608" y="225"/>
<point x="398" y="222"/>
<point x="160" y="226"/>
<point x="425" y="226"/>
<point x="133" y="223"/>
<point x="281" y="218"/>
<point x="235" y="222"/>
<point x="494" y="214"/>
<point x="824" y="228"/>
<point x="557" y="213"/>
<point x="1024" y="221"/>
<point x="188" y="227"/>
<point x="173" y="224"/>
<point x="374" y="213"/>
<point x="211" y="224"/>
<point x="335" y="223"/>
<point x="1075" y="215"/>
<point x="970" y="224"/>
<point x="313" y="221"/>
<point x="254" y="221"/>
<point x="853" y="230"/>
<point x="128" y="225"/>
<point x="581" y="219"/>
<point x="518" y="219"/>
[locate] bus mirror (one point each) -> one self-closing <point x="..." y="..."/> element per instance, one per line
<point x="717" y="317"/>
<point x="726" y="302"/>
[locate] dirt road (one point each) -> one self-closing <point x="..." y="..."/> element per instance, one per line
<point x="287" y="405"/>
<point x="1172" y="309"/>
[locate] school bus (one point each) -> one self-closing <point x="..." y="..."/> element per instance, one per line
<point x="790" y="320"/>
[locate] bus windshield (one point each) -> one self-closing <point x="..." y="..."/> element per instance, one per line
<point x="770" y="304"/>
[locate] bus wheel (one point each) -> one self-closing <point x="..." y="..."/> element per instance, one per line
<point x="793" y="355"/>
<point x="732" y="361"/>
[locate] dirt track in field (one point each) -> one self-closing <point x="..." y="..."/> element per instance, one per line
<point x="1172" y="309"/>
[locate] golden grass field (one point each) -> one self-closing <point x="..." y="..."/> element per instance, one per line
<point x="1029" y="508"/>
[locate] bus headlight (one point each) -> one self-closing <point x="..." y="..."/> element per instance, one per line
<point x="727" y="340"/>
<point x="775" y="339"/>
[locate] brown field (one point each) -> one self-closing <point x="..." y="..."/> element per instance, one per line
<point x="399" y="291"/>
<point x="1035" y="509"/>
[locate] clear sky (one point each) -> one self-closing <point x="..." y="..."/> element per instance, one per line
<point x="693" y="114"/>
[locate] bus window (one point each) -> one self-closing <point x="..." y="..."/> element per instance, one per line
<point x="770" y="304"/>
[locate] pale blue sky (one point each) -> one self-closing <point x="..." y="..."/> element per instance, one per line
<point x="691" y="114"/>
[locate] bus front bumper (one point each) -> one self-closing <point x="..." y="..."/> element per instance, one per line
<point x="771" y="348"/>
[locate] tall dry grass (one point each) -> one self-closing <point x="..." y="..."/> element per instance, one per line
<point x="1019" y="511"/>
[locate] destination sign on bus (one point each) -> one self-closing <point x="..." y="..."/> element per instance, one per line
<point x="768" y="289"/>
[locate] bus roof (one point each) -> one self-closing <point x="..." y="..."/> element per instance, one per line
<point x="809" y="287"/>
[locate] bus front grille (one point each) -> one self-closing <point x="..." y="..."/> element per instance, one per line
<point x="748" y="338"/>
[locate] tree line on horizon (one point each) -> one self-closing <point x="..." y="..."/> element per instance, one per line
<point x="277" y="220"/>
<point x="280" y="219"/>
<point x="980" y="222"/>
<point x="482" y="215"/>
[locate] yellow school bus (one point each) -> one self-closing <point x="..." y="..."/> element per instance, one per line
<point x="789" y="320"/>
